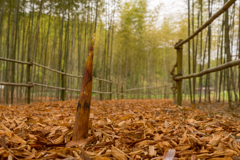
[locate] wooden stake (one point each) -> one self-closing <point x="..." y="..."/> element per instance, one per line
<point x="165" y="92"/>
<point x="122" y="92"/>
<point x="63" y="92"/>
<point x="117" y="91"/>
<point x="110" y="90"/>
<point x="179" y="73"/>
<point x="100" y="90"/>
<point x="28" y="81"/>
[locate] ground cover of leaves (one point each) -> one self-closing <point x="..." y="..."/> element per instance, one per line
<point x="119" y="129"/>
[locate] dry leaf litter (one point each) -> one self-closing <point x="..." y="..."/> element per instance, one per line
<point x="119" y="129"/>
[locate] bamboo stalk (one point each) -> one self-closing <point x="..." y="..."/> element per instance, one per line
<point x="227" y="51"/>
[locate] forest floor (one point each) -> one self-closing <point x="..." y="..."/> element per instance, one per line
<point x="120" y="129"/>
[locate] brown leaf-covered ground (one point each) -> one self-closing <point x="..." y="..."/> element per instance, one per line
<point x="120" y="129"/>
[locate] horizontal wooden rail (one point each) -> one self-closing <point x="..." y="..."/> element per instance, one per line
<point x="16" y="61"/>
<point x="210" y="70"/>
<point x="16" y="84"/>
<point x="75" y="90"/>
<point x="71" y="75"/>
<point x="50" y="69"/>
<point x="152" y="94"/>
<point x="134" y="89"/>
<point x="104" y="80"/>
<point x="47" y="86"/>
<point x="102" y="92"/>
<point x="53" y="70"/>
<point x="206" y="24"/>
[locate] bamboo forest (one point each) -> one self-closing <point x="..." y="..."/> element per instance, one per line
<point x="120" y="79"/>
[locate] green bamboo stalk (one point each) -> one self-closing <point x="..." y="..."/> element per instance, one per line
<point x="227" y="51"/>
<point x="189" y="59"/>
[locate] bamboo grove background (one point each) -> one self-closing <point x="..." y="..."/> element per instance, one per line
<point x="134" y="48"/>
<point x="57" y="34"/>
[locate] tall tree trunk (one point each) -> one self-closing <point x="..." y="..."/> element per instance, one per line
<point x="193" y="54"/>
<point x="200" y="81"/>
<point x="111" y="54"/>
<point x="8" y="54"/>
<point x="46" y="48"/>
<point x="189" y="58"/>
<point x="13" y="46"/>
<point x="60" y="52"/>
<point x="227" y="51"/>
<point x="221" y="61"/>
<point x="208" y="87"/>
<point x="202" y="68"/>
<point x="231" y="69"/>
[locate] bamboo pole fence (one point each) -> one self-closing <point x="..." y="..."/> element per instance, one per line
<point x="63" y="88"/>
<point x="179" y="48"/>
<point x="119" y="92"/>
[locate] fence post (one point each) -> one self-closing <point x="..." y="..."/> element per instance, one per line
<point x="155" y="92"/>
<point x="100" y="89"/>
<point x="110" y="87"/>
<point x="122" y="92"/>
<point x="179" y="73"/>
<point x="174" y="91"/>
<point x="165" y="92"/>
<point x="63" y="86"/>
<point x="29" y="81"/>
<point x="139" y="94"/>
<point x="117" y="91"/>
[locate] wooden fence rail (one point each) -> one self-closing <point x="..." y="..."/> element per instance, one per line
<point x="133" y="89"/>
<point x="148" y="91"/>
<point x="16" y="61"/>
<point x="210" y="70"/>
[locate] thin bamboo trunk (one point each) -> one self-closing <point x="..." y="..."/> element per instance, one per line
<point x="227" y="51"/>
<point x="231" y="42"/>
<point x="193" y="54"/>
<point x="8" y="54"/>
<point x="221" y="61"/>
<point x="201" y="35"/>
<point x="209" y="52"/>
<point x="13" y="46"/>
<point x="189" y="59"/>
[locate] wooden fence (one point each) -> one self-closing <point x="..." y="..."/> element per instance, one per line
<point x="63" y="88"/>
<point x="114" y="88"/>
<point x="179" y="48"/>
